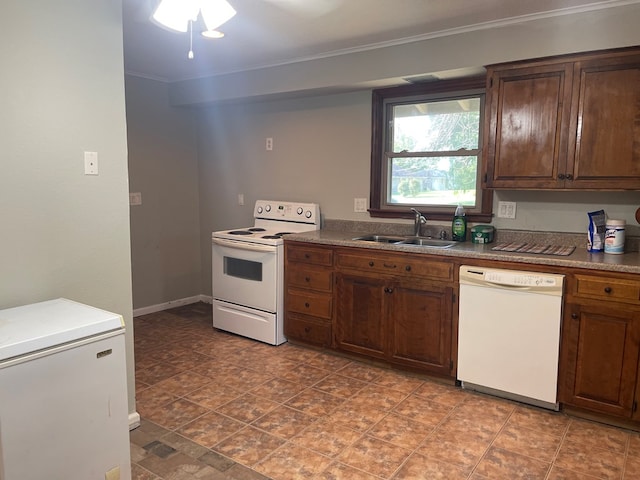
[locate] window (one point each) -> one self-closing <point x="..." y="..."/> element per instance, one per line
<point x="427" y="149"/>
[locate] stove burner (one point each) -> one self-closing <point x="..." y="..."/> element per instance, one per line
<point x="282" y="233"/>
<point x="271" y="236"/>
<point x="240" y="232"/>
<point x="257" y="229"/>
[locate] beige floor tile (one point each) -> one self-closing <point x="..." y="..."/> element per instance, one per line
<point x="247" y="408"/>
<point x="589" y="460"/>
<point x="551" y="423"/>
<point x="315" y="402"/>
<point x="419" y="467"/>
<point x="291" y="462"/>
<point x="340" y="471"/>
<point x="284" y="422"/>
<point x="278" y="390"/>
<point x="357" y="416"/>
<point x="499" y="463"/>
<point x="374" y="456"/>
<point x="249" y="446"/>
<point x="402" y="431"/>
<point x="177" y="413"/>
<point x="463" y="449"/>
<point x="183" y="383"/>
<point x="585" y="433"/>
<point x="327" y="437"/>
<point x="423" y="410"/>
<point x="528" y="442"/>
<point x="213" y="395"/>
<point x="210" y="429"/>
<point x="340" y="386"/>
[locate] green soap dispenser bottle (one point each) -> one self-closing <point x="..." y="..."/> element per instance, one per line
<point x="459" y="225"/>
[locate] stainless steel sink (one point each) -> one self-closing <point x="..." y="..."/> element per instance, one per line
<point x="428" y="242"/>
<point x="417" y="241"/>
<point x="381" y="238"/>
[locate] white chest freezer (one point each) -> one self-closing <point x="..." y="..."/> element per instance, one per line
<point x="63" y="393"/>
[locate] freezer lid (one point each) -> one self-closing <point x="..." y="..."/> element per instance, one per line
<point x="43" y="325"/>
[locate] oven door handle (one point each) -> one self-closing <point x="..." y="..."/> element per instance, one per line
<point x="243" y="245"/>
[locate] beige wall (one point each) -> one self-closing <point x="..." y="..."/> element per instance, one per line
<point x="163" y="167"/>
<point x="64" y="234"/>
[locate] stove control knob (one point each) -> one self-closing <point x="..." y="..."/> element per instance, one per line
<point x="300" y="210"/>
<point x="308" y="214"/>
<point x="259" y="209"/>
<point x="267" y="208"/>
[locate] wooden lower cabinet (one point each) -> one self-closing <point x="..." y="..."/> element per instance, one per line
<point x="600" y="347"/>
<point x="421" y="327"/>
<point x="361" y="311"/>
<point x="400" y="318"/>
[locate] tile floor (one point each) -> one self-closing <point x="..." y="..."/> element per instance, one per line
<point x="217" y="406"/>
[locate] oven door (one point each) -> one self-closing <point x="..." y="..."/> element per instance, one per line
<point x="245" y="273"/>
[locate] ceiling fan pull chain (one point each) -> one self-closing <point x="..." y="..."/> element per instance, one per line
<point x="190" y="54"/>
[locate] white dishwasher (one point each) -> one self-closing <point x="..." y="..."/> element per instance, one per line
<point x="509" y="333"/>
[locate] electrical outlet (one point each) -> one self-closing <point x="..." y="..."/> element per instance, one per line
<point x="506" y="209"/>
<point x="241" y="199"/>
<point x="135" y="198"/>
<point x="359" y="205"/>
<point x="269" y="144"/>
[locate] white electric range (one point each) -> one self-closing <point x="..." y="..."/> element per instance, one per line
<point x="248" y="269"/>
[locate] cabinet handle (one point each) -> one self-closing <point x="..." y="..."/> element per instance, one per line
<point x="307" y="279"/>
<point x="388" y="265"/>
<point x="569" y="176"/>
<point x="307" y="329"/>
<point x="371" y="264"/>
<point x="574" y="316"/>
<point x="607" y="289"/>
<point x="561" y="176"/>
<point x="307" y="256"/>
<point x="388" y="290"/>
<point x="408" y="268"/>
<point x="306" y="304"/>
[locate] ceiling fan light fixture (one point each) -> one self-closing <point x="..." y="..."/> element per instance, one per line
<point x="176" y="14"/>
<point x="212" y="34"/>
<point x="215" y="13"/>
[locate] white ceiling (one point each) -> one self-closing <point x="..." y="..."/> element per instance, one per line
<point x="275" y="32"/>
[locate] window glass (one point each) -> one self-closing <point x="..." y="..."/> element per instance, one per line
<point x="426" y="151"/>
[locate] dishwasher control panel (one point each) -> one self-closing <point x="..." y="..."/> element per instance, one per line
<point x="549" y="283"/>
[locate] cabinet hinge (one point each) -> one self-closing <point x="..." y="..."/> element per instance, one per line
<point x="453" y="297"/>
<point x="635" y="406"/>
<point x="485" y="178"/>
<point x="491" y="82"/>
<point x="450" y="365"/>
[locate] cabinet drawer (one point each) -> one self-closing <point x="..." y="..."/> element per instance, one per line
<point x="307" y="330"/>
<point x="308" y="303"/>
<point x="304" y="276"/>
<point x="314" y="255"/>
<point x="608" y="288"/>
<point x="399" y="265"/>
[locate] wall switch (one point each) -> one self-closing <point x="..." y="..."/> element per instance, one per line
<point x="506" y="209"/>
<point x="113" y="474"/>
<point x="241" y="199"/>
<point x="269" y="144"/>
<point x="135" y="198"/>
<point x="359" y="205"/>
<point x="91" y="163"/>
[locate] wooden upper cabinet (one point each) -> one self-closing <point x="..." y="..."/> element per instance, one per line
<point x="606" y="148"/>
<point x="569" y="122"/>
<point x="529" y="111"/>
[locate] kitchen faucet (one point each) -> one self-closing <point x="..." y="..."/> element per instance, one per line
<point x="419" y="221"/>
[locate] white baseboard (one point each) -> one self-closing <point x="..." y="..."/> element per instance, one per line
<point x="171" y="304"/>
<point x="134" y="420"/>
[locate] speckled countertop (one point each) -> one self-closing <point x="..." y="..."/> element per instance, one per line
<point x="340" y="233"/>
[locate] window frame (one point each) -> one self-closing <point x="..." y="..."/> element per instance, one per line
<point x="439" y="90"/>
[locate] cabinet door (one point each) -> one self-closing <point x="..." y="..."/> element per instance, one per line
<point x="600" y="356"/>
<point x="420" y="327"/>
<point x="605" y="152"/>
<point x="526" y="140"/>
<point x="360" y="314"/>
